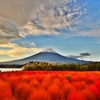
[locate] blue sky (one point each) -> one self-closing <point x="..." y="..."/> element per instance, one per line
<point x="70" y="27"/>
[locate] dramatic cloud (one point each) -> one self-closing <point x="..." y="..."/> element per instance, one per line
<point x="81" y="55"/>
<point x="50" y="19"/>
<point x="45" y="17"/>
<point x="14" y="50"/>
<point x="19" y="11"/>
<point x="8" y="31"/>
<point x="38" y="17"/>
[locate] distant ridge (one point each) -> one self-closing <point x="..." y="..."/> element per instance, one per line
<point x="47" y="55"/>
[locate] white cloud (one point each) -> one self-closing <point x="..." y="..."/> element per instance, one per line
<point x="20" y="11"/>
<point x="40" y="17"/>
<point x="14" y="14"/>
<point x="32" y="44"/>
<point x="43" y="17"/>
<point x="8" y="31"/>
<point x="91" y="33"/>
<point x="90" y="29"/>
<point x="49" y="19"/>
<point x="14" y="50"/>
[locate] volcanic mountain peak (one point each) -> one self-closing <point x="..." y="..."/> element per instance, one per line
<point x="48" y="55"/>
<point x="49" y="50"/>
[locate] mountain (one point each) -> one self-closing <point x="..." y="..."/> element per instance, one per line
<point x="49" y="50"/>
<point x="48" y="55"/>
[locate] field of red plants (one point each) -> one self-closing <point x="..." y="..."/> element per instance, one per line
<point x="49" y="85"/>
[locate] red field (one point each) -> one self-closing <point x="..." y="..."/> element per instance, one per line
<point x="50" y="85"/>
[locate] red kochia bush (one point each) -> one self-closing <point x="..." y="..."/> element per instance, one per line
<point x="75" y="95"/>
<point x="88" y="94"/>
<point x="47" y="80"/>
<point x="40" y="77"/>
<point x="50" y="85"/>
<point x="35" y="84"/>
<point x="5" y="91"/>
<point x="39" y="94"/>
<point x="91" y="79"/>
<point x="97" y="84"/>
<point x="55" y="92"/>
<point x="22" y="91"/>
<point x="67" y="88"/>
<point x="79" y="85"/>
<point x="95" y="90"/>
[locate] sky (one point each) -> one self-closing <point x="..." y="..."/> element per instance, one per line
<point x="70" y="27"/>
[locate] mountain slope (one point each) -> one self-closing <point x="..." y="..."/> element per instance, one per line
<point x="46" y="55"/>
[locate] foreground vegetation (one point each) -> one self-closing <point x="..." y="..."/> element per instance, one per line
<point x="68" y="67"/>
<point x="50" y="85"/>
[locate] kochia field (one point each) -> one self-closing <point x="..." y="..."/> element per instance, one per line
<point x="49" y="85"/>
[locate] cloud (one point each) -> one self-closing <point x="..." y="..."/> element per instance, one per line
<point x="19" y="11"/>
<point x="49" y="19"/>
<point x="14" y="15"/>
<point x="93" y="31"/>
<point x="40" y="17"/>
<point x="14" y="50"/>
<point x="45" y="17"/>
<point x="73" y="56"/>
<point x="8" y="31"/>
<point x="85" y="54"/>
<point x="81" y="55"/>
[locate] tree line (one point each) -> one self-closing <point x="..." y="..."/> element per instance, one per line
<point x="45" y="66"/>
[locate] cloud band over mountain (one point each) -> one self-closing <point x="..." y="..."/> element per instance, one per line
<point x="37" y="17"/>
